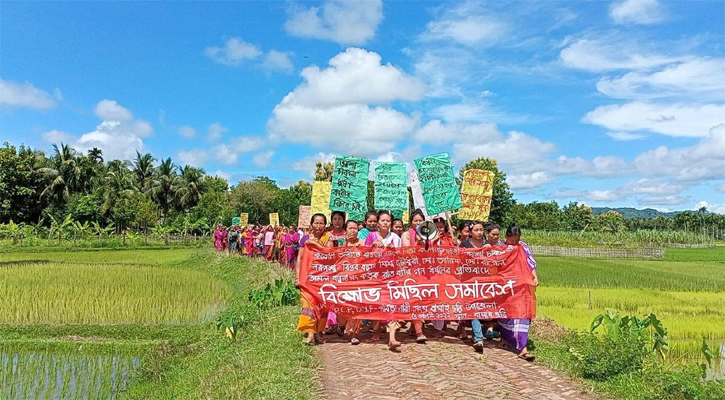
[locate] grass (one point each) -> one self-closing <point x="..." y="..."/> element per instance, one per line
<point x="147" y="257"/>
<point x="629" y="239"/>
<point x="65" y="293"/>
<point x="178" y="361"/>
<point x="688" y="296"/>
<point x="40" y="375"/>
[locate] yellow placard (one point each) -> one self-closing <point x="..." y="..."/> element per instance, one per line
<point x="305" y="215"/>
<point x="244" y="219"/>
<point x="321" y="198"/>
<point x="406" y="217"/>
<point x="274" y="219"/>
<point x="476" y="194"/>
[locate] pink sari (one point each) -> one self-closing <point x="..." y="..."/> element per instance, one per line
<point x="219" y="239"/>
<point x="289" y="244"/>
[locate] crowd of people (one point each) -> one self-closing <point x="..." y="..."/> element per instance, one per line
<point x="380" y="229"/>
<point x="275" y="244"/>
<point x="285" y="245"/>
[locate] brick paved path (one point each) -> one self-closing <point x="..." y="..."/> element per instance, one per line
<point x="442" y="369"/>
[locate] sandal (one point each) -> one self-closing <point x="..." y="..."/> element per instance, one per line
<point x="354" y="341"/>
<point x="478" y="346"/>
<point x="527" y="357"/>
<point x="394" y="345"/>
<point x="421" y="339"/>
<point x="376" y="337"/>
<point x="340" y="332"/>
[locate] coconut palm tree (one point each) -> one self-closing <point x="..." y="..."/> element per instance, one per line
<point x="64" y="173"/>
<point x="118" y="185"/>
<point x="143" y="168"/>
<point x="189" y="187"/>
<point x="163" y="185"/>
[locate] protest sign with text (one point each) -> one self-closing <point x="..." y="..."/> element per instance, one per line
<point x="274" y="219"/>
<point x="476" y="194"/>
<point x="321" y="198"/>
<point x="349" y="190"/>
<point x="438" y="183"/>
<point x="391" y="186"/>
<point x="305" y="215"/>
<point x="408" y="283"/>
<point x="244" y="219"/>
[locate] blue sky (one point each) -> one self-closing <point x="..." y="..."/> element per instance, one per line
<point x="610" y="103"/>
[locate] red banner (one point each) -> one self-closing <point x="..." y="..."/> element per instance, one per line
<point x="407" y="283"/>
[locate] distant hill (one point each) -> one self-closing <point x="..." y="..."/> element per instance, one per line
<point x="630" y="212"/>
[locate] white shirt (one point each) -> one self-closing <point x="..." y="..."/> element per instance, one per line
<point x="391" y="240"/>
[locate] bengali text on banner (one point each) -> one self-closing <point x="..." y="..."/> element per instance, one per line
<point x="476" y="194"/>
<point x="305" y="214"/>
<point x="321" y="198"/>
<point x="408" y="283"/>
<point x="349" y="190"/>
<point x="438" y="182"/>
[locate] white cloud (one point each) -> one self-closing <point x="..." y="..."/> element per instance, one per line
<point x="118" y="135"/>
<point x="625" y="136"/>
<point x="700" y="79"/>
<point x="636" y="11"/>
<point x="517" y="151"/>
<point x="335" y="101"/>
<point x="355" y="76"/>
<point x="56" y="137"/>
<point x="438" y="133"/>
<point x="307" y="164"/>
<point x="680" y="120"/>
<point x="341" y="21"/>
<point x="224" y="175"/>
<point x="651" y="187"/>
<point x="714" y="208"/>
<point x="529" y="181"/>
<point x="13" y="94"/>
<point x="215" y="131"/>
<point x="703" y="161"/>
<point x="351" y="129"/>
<point x="662" y="200"/>
<point x="263" y="159"/>
<point x="597" y="55"/>
<point x="277" y="61"/>
<point x="233" y="52"/>
<point x="193" y="157"/>
<point x="467" y="24"/>
<point x="590" y="195"/>
<point x="187" y="131"/>
<point x="110" y="110"/>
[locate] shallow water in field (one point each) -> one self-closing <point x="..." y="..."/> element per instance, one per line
<point x="51" y="376"/>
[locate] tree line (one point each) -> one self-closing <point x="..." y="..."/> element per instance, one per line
<point x="142" y="193"/>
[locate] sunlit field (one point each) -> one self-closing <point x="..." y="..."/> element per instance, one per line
<point x="153" y="257"/>
<point x="688" y="296"/>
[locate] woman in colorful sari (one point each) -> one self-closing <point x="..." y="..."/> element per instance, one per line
<point x="515" y="331"/>
<point x="291" y="241"/>
<point x="337" y="236"/>
<point x="309" y="322"/>
<point x="269" y="243"/>
<point x="219" y="235"/>
<point x="352" y="326"/>
<point x="249" y="241"/>
<point x="411" y="238"/>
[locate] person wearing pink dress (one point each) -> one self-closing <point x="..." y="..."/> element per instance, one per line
<point x="219" y="234"/>
<point x="291" y="240"/>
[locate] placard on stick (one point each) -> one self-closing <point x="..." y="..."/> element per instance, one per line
<point x="274" y="219"/>
<point x="349" y="190"/>
<point x="438" y="183"/>
<point x="305" y="215"/>
<point x="476" y="194"/>
<point x="391" y="186"/>
<point x="244" y="219"/>
<point x="321" y="198"/>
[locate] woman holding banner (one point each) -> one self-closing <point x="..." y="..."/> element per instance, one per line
<point x="337" y="228"/>
<point x="352" y="326"/>
<point x="309" y="321"/>
<point x="411" y="238"/>
<point x="515" y="331"/>
<point x="477" y="241"/>
<point x="384" y="237"/>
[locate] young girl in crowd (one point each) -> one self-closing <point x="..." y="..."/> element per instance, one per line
<point x="397" y="227"/>
<point x="337" y="230"/>
<point x="269" y="243"/>
<point x="309" y="322"/>
<point x="371" y="225"/>
<point x="352" y="326"/>
<point x="476" y="241"/>
<point x="384" y="237"/>
<point x="411" y="238"/>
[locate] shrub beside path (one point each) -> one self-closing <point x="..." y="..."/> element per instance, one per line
<point x="439" y="370"/>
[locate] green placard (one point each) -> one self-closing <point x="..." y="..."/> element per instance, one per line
<point x="438" y="183"/>
<point x="350" y="186"/>
<point x="391" y="186"/>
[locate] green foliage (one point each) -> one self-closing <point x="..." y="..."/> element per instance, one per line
<point x="231" y="322"/>
<point x="610" y="221"/>
<point x="283" y="293"/>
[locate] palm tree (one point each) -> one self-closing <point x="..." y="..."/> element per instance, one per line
<point x="189" y="187"/>
<point x="95" y="155"/>
<point x="143" y="168"/>
<point x="118" y="186"/>
<point x="163" y="185"/>
<point x="64" y="173"/>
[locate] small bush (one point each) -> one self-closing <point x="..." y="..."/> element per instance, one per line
<point x="283" y="293"/>
<point x="603" y="357"/>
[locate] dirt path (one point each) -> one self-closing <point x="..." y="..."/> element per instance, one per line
<point x="439" y="370"/>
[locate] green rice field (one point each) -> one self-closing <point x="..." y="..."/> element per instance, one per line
<point x="70" y="293"/>
<point x="686" y="291"/>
